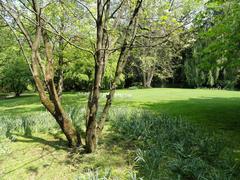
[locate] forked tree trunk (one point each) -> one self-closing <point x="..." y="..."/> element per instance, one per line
<point x="68" y="129"/>
<point x="147" y="78"/>
<point x="120" y="66"/>
<point x="43" y="78"/>
<point x="94" y="127"/>
<point x="52" y="103"/>
<point x="54" y="106"/>
<point x="101" y="43"/>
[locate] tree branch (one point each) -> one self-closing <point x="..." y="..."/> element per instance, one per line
<point x="87" y="8"/>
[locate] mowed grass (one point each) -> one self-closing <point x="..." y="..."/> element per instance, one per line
<point x="43" y="156"/>
<point x="215" y="109"/>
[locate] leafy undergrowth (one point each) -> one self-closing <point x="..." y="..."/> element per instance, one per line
<point x="169" y="148"/>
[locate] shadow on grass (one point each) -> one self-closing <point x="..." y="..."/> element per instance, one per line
<point x="214" y="113"/>
<point x="30" y="103"/>
<point x="56" y="144"/>
<point x="224" y="112"/>
<point x="210" y="111"/>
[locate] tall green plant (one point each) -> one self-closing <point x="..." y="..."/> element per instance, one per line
<point x="169" y="148"/>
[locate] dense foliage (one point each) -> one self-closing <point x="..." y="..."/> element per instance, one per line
<point x="15" y="77"/>
<point x="214" y="61"/>
<point x="193" y="45"/>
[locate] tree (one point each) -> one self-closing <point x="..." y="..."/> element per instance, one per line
<point x="105" y="41"/>
<point x="33" y="29"/>
<point x="43" y="70"/>
<point x="163" y="35"/>
<point x="105" y="32"/>
<point x="15" y="76"/>
<point x="215" y="55"/>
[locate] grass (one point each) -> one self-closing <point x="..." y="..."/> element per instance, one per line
<point x="30" y="157"/>
<point x="169" y="148"/>
<point x="42" y="156"/>
<point x="216" y="109"/>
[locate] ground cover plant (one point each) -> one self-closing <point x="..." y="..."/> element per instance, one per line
<point x="169" y="148"/>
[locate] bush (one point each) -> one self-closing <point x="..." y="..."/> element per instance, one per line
<point x="168" y="147"/>
<point x="15" y="76"/>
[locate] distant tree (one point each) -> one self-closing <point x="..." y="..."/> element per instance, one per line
<point x="15" y="76"/>
<point x="14" y="73"/>
<point x="214" y="61"/>
<point x="162" y="37"/>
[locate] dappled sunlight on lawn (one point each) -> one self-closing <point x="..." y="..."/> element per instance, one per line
<point x="43" y="156"/>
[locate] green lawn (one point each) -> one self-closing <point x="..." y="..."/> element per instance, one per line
<point x="217" y="110"/>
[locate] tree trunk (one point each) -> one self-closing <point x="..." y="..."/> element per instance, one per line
<point x="147" y="79"/>
<point x="60" y="71"/>
<point x="91" y="135"/>
<point x="17" y="94"/>
<point x="101" y="44"/>
<point x="106" y="108"/>
<point x="68" y="129"/>
<point x="60" y="83"/>
<point x="101" y="56"/>
<point x="52" y="103"/>
<point x="44" y="79"/>
<point x="144" y="79"/>
<point x="122" y="60"/>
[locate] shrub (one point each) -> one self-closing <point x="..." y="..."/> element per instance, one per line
<point x="15" y="76"/>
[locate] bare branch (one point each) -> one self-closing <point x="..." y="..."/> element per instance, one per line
<point x="87" y="8"/>
<point x="18" y="22"/>
<point x="116" y="10"/>
<point x="171" y="5"/>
